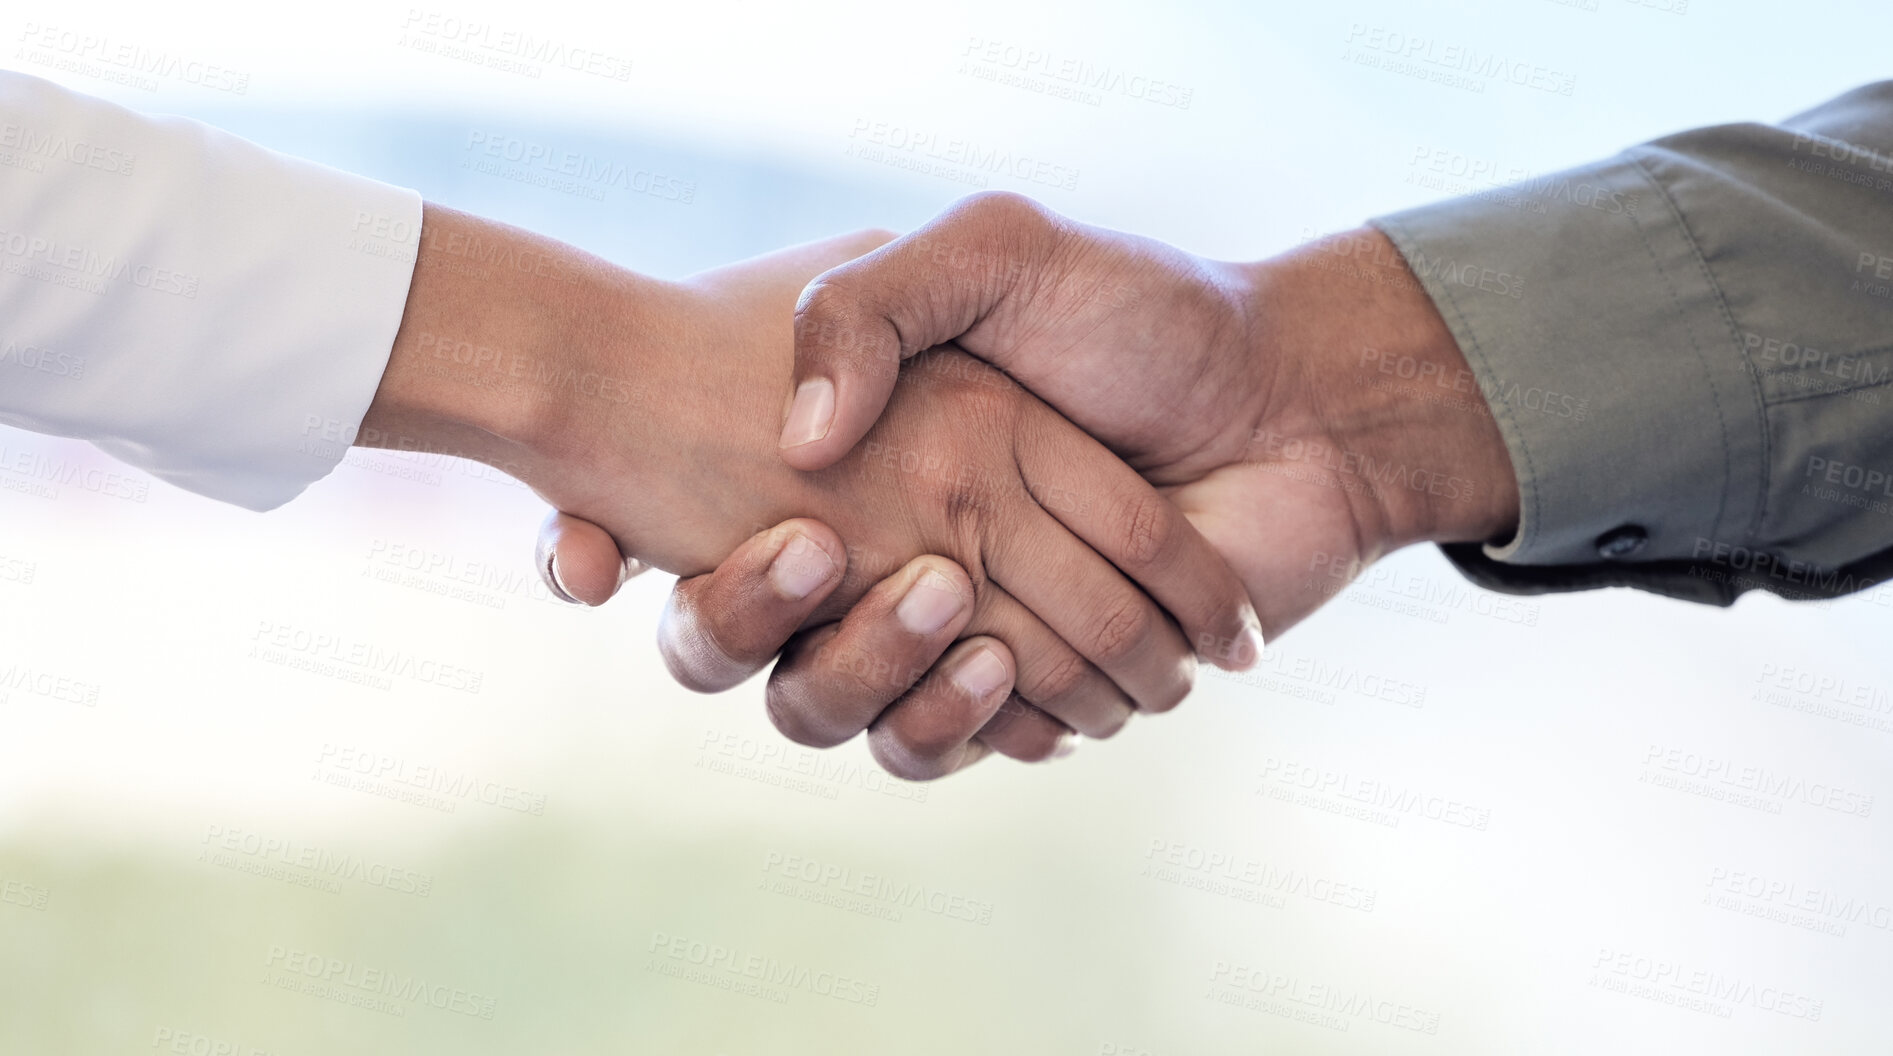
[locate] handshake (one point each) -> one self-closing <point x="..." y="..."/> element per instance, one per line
<point x="986" y="487"/>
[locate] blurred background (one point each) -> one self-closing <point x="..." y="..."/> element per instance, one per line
<point x="1434" y="820"/>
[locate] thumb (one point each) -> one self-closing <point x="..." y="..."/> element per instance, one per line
<point x="579" y="561"/>
<point x="855" y="324"/>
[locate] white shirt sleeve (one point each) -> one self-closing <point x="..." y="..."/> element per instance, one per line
<point x="212" y="312"/>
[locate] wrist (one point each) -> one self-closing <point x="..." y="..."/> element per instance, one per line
<point x="499" y="348"/>
<point x="1365" y="362"/>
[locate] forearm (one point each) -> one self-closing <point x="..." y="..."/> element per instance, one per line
<point x="495" y="352"/>
<point x="1361" y="351"/>
<point x="638" y="404"/>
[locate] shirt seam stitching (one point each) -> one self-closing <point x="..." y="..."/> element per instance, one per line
<point x="1728" y="319"/>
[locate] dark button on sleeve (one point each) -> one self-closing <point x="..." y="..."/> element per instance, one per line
<point x="1621" y="542"/>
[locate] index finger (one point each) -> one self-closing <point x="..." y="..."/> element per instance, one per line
<point x="855" y="323"/>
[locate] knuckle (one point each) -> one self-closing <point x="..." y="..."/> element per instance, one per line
<point x="832" y="323"/>
<point x="862" y="676"/>
<point x="822" y="297"/>
<point x="1168" y="696"/>
<point x="1028" y="742"/>
<point x="900" y="760"/>
<point x="1122" y="630"/>
<point x="872" y="237"/>
<point x="1172" y="690"/>
<point x="727" y="636"/>
<point x="1004" y="207"/>
<point x="965" y="506"/>
<point x="697" y="660"/>
<point x="793" y="715"/>
<point x="1145" y="530"/>
<point x="1060" y="677"/>
<point x="930" y="742"/>
<point x="684" y="673"/>
<point x="1107" y="723"/>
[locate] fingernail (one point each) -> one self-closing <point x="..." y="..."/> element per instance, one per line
<point x="1249" y="646"/>
<point x="810" y="415"/>
<point x="980" y="675"/>
<point x="559" y="588"/>
<point x="930" y="604"/>
<point x="1066" y="745"/>
<point x="799" y="568"/>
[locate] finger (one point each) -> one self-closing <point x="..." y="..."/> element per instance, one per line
<point x="930" y="732"/>
<point x="1104" y="502"/>
<point x="1089" y="604"/>
<point x="833" y="682"/>
<point x="1052" y="677"/>
<point x="1023" y="732"/>
<point x="579" y="561"/>
<point x="721" y="627"/>
<point x="855" y="324"/>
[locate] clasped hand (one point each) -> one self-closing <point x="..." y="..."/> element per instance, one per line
<point x="962" y="567"/>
